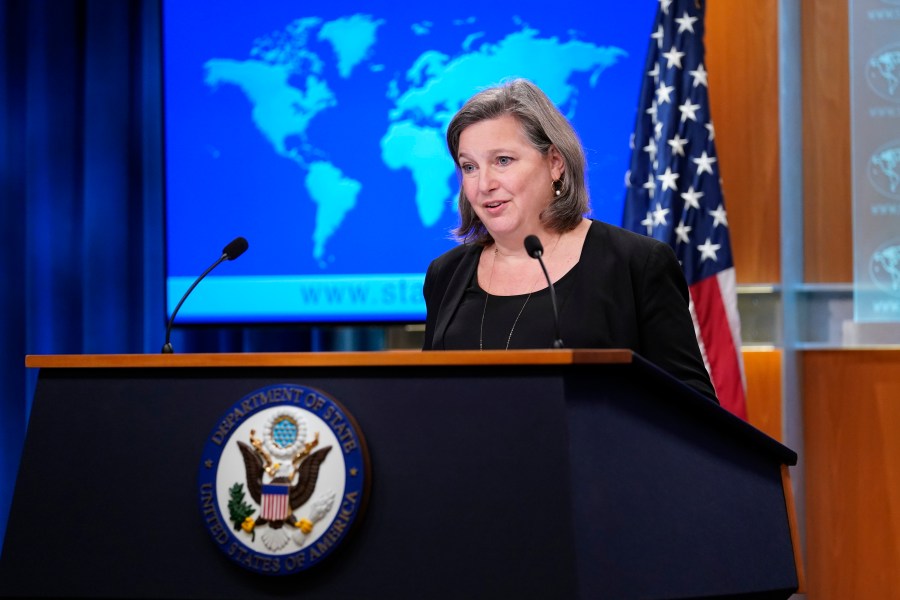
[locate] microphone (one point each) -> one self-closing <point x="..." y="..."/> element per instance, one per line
<point x="535" y="249"/>
<point x="235" y="248"/>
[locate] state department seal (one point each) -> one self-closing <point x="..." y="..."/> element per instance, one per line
<point x="283" y="478"/>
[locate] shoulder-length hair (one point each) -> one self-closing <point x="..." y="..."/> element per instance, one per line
<point x="544" y="126"/>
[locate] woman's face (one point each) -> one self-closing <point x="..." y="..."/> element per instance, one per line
<point x="507" y="181"/>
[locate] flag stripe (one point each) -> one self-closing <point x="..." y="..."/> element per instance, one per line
<point x="721" y="351"/>
<point x="728" y="288"/>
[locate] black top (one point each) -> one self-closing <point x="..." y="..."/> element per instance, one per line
<point x="522" y="321"/>
<point x="627" y="291"/>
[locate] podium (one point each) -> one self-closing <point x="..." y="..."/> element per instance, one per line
<point x="528" y="474"/>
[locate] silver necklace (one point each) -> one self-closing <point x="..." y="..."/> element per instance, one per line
<point x="487" y="294"/>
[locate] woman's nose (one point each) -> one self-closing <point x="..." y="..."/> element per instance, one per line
<point x="487" y="181"/>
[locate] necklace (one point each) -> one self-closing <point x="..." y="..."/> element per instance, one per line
<point x="487" y="295"/>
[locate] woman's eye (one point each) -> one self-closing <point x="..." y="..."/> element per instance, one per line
<point x="467" y="168"/>
<point x="504" y="161"/>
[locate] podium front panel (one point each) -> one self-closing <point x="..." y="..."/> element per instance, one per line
<point x="496" y="481"/>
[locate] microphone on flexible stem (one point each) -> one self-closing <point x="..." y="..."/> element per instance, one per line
<point x="235" y="248"/>
<point x="535" y="250"/>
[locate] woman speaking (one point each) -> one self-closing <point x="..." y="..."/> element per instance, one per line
<point x="522" y="173"/>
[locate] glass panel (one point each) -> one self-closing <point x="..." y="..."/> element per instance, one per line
<point x="875" y="134"/>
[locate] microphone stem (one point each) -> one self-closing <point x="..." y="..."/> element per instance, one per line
<point x="557" y="343"/>
<point x="167" y="348"/>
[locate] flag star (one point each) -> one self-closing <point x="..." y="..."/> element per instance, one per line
<point x="648" y="223"/>
<point x="708" y="250"/>
<point x="711" y="130"/>
<point x="673" y="57"/>
<point x="704" y="163"/>
<point x="650" y="184"/>
<point x="658" y="36"/>
<point x="686" y="23"/>
<point x="668" y="180"/>
<point x="631" y="141"/>
<point x="659" y="215"/>
<point x="658" y="129"/>
<point x="664" y="93"/>
<point x="651" y="149"/>
<point x="719" y="217"/>
<point x="682" y="232"/>
<point x="677" y="144"/>
<point x="652" y="110"/>
<point x="692" y="198"/>
<point x="628" y="178"/>
<point x="665" y="4"/>
<point x="688" y="110"/>
<point x="699" y="74"/>
<point x="654" y="72"/>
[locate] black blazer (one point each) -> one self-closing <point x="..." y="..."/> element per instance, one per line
<point x="630" y="293"/>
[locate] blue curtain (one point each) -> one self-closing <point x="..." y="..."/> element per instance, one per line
<point x="81" y="184"/>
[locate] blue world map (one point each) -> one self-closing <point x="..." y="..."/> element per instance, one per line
<point x="319" y="135"/>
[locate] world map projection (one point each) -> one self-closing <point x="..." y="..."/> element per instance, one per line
<point x="318" y="134"/>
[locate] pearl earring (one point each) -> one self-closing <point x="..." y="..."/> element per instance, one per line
<point x="557" y="188"/>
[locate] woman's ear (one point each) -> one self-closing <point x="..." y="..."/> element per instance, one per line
<point x="556" y="161"/>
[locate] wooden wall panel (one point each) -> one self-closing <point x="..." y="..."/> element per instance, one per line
<point x="852" y="472"/>
<point x="763" y="371"/>
<point x="742" y="61"/>
<point x="827" y="185"/>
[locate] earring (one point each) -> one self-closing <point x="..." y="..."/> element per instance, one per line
<point x="557" y="187"/>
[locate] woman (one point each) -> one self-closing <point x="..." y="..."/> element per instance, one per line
<point x="521" y="168"/>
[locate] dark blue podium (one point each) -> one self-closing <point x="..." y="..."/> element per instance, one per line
<point x="533" y="474"/>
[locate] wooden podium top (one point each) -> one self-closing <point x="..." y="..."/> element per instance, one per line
<point x="332" y="359"/>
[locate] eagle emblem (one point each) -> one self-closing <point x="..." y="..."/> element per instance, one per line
<point x="281" y="474"/>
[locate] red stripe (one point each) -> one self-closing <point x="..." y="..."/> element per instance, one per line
<point x="721" y="350"/>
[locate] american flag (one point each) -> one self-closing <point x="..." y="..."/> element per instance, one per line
<point x="675" y="193"/>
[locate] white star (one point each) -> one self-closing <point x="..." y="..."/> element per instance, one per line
<point x="658" y="36"/>
<point x="652" y="110"/>
<point x="719" y="217"/>
<point x="650" y="184"/>
<point x="711" y="130"/>
<point x="699" y="75"/>
<point x="654" y="72"/>
<point x="659" y="215"/>
<point x="657" y="129"/>
<point x="631" y="141"/>
<point x="688" y="110"/>
<point x="677" y="144"/>
<point x="682" y="232"/>
<point x="668" y="180"/>
<point x="708" y="250"/>
<point x="648" y="223"/>
<point x="686" y="23"/>
<point x="628" y="178"/>
<point x="651" y="149"/>
<point x="665" y="4"/>
<point x="664" y="93"/>
<point x="673" y="57"/>
<point x="704" y="163"/>
<point x="692" y="198"/>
